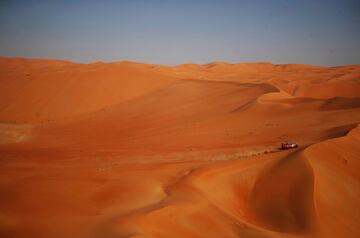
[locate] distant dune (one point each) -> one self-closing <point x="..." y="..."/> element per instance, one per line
<point x="127" y="149"/>
<point x="40" y="90"/>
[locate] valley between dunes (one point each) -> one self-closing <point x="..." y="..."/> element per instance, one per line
<point x="130" y="150"/>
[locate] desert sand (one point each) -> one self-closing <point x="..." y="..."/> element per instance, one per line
<point x="126" y="149"/>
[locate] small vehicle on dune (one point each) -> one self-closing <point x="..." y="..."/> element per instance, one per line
<point x="287" y="145"/>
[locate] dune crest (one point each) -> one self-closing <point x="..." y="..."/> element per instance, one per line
<point x="43" y="90"/>
<point x="337" y="189"/>
<point x="127" y="149"/>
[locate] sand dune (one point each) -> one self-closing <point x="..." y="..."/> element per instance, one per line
<point x="127" y="149"/>
<point x="337" y="190"/>
<point x="297" y="80"/>
<point x="43" y="90"/>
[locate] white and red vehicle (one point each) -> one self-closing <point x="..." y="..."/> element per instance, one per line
<point x="286" y="146"/>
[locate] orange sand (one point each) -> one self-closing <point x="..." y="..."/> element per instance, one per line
<point x="133" y="150"/>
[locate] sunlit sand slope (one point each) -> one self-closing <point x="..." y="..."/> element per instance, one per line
<point x="134" y="150"/>
<point x="336" y="164"/>
<point x="43" y="90"/>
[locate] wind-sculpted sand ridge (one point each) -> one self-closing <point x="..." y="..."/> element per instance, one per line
<point x="45" y="90"/>
<point x="232" y="199"/>
<point x="337" y="189"/>
<point x="185" y="151"/>
<point x="42" y="90"/>
<point x="295" y="79"/>
<point x="270" y="197"/>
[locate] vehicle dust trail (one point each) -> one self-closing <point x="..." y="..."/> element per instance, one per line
<point x="246" y="153"/>
<point x="14" y="133"/>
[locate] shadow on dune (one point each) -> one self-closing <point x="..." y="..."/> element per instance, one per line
<point x="282" y="197"/>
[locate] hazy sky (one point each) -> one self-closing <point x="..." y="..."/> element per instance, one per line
<point x="175" y="31"/>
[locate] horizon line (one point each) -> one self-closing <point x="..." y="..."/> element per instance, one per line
<point x="168" y="65"/>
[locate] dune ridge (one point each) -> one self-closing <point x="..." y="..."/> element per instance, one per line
<point x="43" y="90"/>
<point x="36" y="90"/>
<point x="127" y="149"/>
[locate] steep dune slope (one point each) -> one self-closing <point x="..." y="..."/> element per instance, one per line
<point x="282" y="198"/>
<point x="336" y="166"/>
